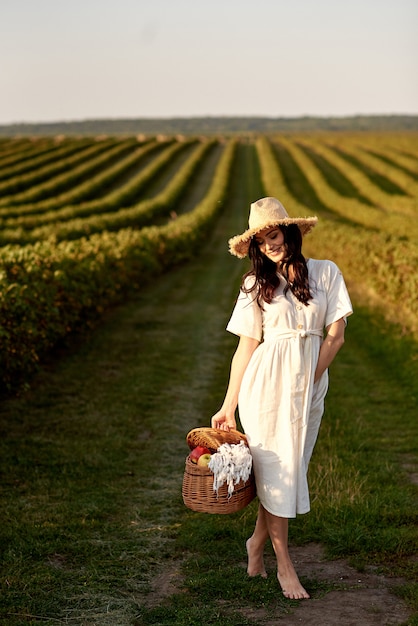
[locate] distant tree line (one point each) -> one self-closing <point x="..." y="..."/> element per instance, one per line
<point x="208" y="125"/>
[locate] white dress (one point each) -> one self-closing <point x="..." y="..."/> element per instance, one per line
<point x="280" y="407"/>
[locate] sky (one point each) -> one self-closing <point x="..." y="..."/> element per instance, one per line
<point x="95" y="59"/>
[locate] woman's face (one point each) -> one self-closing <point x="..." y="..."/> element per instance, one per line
<point x="271" y="243"/>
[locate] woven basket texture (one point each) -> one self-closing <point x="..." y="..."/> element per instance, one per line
<point x="197" y="491"/>
<point x="212" y="438"/>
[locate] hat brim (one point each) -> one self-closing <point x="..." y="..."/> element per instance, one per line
<point x="239" y="245"/>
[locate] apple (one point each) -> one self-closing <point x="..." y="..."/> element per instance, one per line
<point x="203" y="460"/>
<point x="197" y="452"/>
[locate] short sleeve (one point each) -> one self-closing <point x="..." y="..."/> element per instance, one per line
<point x="246" y="318"/>
<point x="338" y="300"/>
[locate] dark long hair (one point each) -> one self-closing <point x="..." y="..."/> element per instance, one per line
<point x="265" y="271"/>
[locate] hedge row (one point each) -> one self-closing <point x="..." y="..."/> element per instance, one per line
<point x="389" y="215"/>
<point x="383" y="264"/>
<point x="136" y="216"/>
<point x="80" y="196"/>
<point x="273" y="181"/>
<point x="49" y="291"/>
<point x="20" y="151"/>
<point x="61" y="150"/>
<point x="104" y="153"/>
<point x="24" y="182"/>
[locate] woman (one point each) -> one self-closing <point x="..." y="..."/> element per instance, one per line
<point x="279" y="375"/>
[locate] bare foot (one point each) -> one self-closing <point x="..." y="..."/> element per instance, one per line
<point x="255" y="562"/>
<point x="290" y="583"/>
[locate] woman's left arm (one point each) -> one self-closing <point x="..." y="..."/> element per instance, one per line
<point x="330" y="346"/>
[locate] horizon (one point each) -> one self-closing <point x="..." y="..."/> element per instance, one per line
<point x="208" y="117"/>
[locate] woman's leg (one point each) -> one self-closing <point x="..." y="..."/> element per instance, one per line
<point x="255" y="546"/>
<point x="278" y="530"/>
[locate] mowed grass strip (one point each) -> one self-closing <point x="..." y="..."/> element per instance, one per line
<point x="92" y="459"/>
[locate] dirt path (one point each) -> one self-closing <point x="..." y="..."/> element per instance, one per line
<point x="362" y="598"/>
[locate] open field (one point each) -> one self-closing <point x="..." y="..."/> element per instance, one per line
<point x="129" y="236"/>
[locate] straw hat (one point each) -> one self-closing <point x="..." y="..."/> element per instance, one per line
<point x="264" y="213"/>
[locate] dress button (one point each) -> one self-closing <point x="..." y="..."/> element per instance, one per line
<point x="300" y="325"/>
<point x="298" y="307"/>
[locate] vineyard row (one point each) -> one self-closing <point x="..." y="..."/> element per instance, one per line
<point x="48" y="290"/>
<point x="381" y="267"/>
<point x="136" y="216"/>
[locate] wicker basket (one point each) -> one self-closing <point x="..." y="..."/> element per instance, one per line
<point x="197" y="491"/>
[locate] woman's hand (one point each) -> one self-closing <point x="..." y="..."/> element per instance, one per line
<point x="223" y="421"/>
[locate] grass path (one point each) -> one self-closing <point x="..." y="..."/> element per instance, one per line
<point x="92" y="461"/>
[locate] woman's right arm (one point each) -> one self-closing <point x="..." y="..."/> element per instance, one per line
<point x="225" y="417"/>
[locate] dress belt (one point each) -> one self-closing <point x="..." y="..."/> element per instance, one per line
<point x="301" y="333"/>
